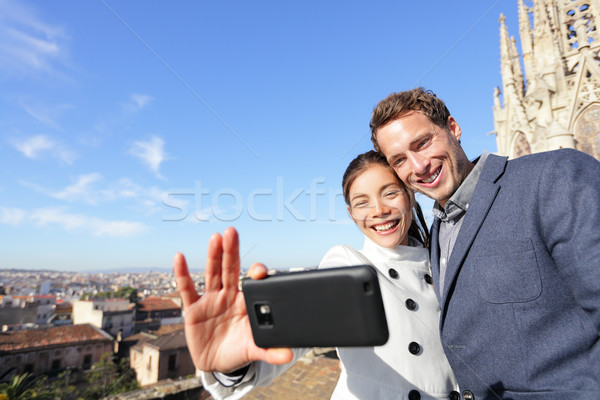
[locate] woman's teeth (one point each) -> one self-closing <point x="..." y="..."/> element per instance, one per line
<point x="385" y="227"/>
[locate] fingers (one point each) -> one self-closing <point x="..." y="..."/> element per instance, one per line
<point x="257" y="271"/>
<point x="214" y="260"/>
<point x="231" y="259"/>
<point x="185" y="284"/>
<point x="279" y="356"/>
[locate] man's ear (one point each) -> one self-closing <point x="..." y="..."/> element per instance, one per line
<point x="454" y="128"/>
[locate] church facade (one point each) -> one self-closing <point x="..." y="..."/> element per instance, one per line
<point x="550" y="94"/>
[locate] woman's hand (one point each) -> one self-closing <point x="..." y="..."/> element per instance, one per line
<point x="217" y="328"/>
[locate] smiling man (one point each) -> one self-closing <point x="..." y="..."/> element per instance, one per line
<point x="515" y="254"/>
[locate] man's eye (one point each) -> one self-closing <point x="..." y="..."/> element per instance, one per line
<point x="423" y="143"/>
<point x="398" y="162"/>
<point x="360" y="204"/>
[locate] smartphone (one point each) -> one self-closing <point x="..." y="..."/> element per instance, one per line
<point x="317" y="308"/>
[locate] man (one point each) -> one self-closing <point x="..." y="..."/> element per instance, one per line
<point x="515" y="254"/>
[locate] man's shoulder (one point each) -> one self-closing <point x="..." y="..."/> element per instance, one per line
<point x="540" y="161"/>
<point x="557" y="165"/>
<point x="563" y="155"/>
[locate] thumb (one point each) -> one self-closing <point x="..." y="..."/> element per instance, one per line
<point x="279" y="356"/>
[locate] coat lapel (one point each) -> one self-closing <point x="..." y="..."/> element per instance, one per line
<point x="434" y="256"/>
<point x="483" y="198"/>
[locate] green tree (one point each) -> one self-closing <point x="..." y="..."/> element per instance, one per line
<point x="22" y="387"/>
<point x="109" y="378"/>
<point x="63" y="387"/>
<point x="127" y="292"/>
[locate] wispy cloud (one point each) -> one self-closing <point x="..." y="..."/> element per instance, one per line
<point x="11" y="216"/>
<point x="61" y="218"/>
<point x="151" y="153"/>
<point x="28" y="44"/>
<point x="81" y="189"/>
<point x="92" y="189"/>
<point x="141" y="100"/>
<point x="45" y="114"/>
<point x="80" y="222"/>
<point x="36" y="147"/>
<point x="135" y="103"/>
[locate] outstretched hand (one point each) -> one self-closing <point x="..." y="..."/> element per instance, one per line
<point x="217" y="328"/>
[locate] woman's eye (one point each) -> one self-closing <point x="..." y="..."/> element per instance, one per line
<point x="392" y="193"/>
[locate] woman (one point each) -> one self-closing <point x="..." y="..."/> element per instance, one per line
<point x="412" y="364"/>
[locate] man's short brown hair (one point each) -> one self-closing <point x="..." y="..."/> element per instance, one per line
<point x="419" y="99"/>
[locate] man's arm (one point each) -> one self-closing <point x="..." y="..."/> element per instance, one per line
<point x="569" y="212"/>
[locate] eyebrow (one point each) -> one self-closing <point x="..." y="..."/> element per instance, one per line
<point x="358" y="195"/>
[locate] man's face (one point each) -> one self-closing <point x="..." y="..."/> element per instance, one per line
<point x="427" y="158"/>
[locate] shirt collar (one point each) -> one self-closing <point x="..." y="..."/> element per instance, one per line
<point x="459" y="202"/>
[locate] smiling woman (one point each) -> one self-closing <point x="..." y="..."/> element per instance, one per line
<point x="410" y="365"/>
<point x="378" y="202"/>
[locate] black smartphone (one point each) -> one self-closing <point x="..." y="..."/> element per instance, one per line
<point x="317" y="308"/>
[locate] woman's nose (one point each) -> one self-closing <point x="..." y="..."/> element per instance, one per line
<point x="380" y="208"/>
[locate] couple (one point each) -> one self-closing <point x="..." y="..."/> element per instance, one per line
<point x="515" y="260"/>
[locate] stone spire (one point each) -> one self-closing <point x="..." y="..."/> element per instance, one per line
<point x="554" y="101"/>
<point x="526" y="39"/>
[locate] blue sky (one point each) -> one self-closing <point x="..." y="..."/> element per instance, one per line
<point x="132" y="130"/>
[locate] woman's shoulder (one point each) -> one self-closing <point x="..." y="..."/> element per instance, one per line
<point x="342" y="256"/>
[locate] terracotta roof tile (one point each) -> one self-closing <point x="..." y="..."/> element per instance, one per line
<point x="156" y="304"/>
<point x="60" y="335"/>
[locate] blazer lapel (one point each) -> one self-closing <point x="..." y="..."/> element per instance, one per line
<point x="483" y="198"/>
<point x="434" y="256"/>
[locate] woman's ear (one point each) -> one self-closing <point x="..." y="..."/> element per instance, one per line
<point x="350" y="213"/>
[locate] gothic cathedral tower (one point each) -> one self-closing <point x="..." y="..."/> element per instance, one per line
<point x="555" y="101"/>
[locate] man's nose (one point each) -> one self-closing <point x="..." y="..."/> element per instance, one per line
<point x="419" y="163"/>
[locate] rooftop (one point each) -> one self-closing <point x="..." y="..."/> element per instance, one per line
<point x="61" y="335"/>
<point x="156" y="304"/>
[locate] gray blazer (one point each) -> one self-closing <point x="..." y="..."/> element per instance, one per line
<point x="520" y="310"/>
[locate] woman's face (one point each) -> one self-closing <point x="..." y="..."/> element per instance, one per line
<point x="380" y="206"/>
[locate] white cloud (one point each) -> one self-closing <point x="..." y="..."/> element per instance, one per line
<point x="80" y="222"/>
<point x="11" y="216"/>
<point x="45" y="114"/>
<point x="27" y="44"/>
<point x="141" y="100"/>
<point x="136" y="102"/>
<point x="86" y="189"/>
<point x="80" y="189"/>
<point x="35" y="146"/>
<point x="71" y="222"/>
<point x="151" y="153"/>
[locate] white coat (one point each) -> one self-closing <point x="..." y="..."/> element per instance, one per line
<point x="390" y="371"/>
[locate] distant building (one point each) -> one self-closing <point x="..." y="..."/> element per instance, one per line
<point x="555" y="102"/>
<point x="26" y="310"/>
<point x="115" y="316"/>
<point x="50" y="350"/>
<point x="153" y="312"/>
<point x="159" y="357"/>
<point x="62" y="313"/>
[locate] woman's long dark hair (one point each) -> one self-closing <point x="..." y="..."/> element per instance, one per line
<point x="418" y="227"/>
